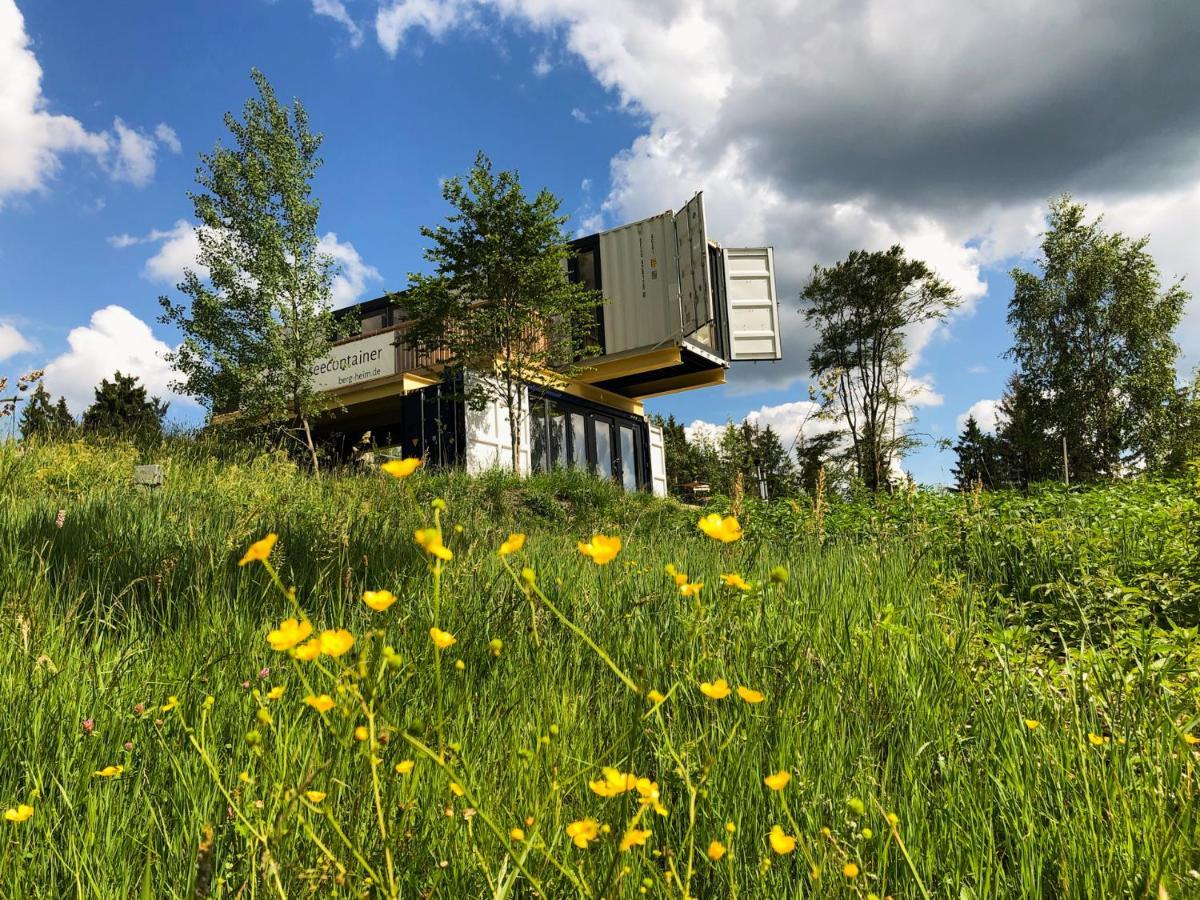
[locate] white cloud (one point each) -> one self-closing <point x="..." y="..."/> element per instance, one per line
<point x="789" y="421"/>
<point x="580" y="116"/>
<point x="178" y="248"/>
<point x="114" y="339"/>
<point x="166" y="136"/>
<point x="985" y="412"/>
<point x="977" y="370"/>
<point x="351" y="282"/>
<point x="12" y="341"/>
<point x="132" y="159"/>
<point x="437" y="17"/>
<point x="542" y="65"/>
<point x="336" y="10"/>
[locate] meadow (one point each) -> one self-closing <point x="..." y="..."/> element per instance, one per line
<point x="923" y="695"/>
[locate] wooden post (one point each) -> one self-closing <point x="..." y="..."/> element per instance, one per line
<point x="1066" y="471"/>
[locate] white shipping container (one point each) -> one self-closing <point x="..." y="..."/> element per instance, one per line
<point x="488" y="438"/>
<point x="658" y="462"/>
<point x="640" y="284"/>
<point x="691" y="243"/>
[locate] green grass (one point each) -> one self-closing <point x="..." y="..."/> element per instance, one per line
<point x="899" y="660"/>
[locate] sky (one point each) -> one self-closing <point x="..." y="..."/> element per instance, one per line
<point x="813" y="126"/>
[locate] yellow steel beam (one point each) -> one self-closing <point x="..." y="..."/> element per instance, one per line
<point x="606" y="369"/>
<point x="677" y="383"/>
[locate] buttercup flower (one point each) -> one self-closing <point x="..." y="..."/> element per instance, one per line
<point x="715" y="690"/>
<point x="276" y="692"/>
<point x="456" y="789"/>
<point x="514" y="543"/>
<point x="690" y="589"/>
<point x="649" y="794"/>
<point x="109" y="772"/>
<point x="634" y="837"/>
<point x="335" y="643"/>
<point x="601" y="549"/>
<point x="613" y="783"/>
<point x="259" y="550"/>
<point x="430" y="540"/>
<point x="289" y="633"/>
<point x="379" y="600"/>
<point x="733" y="580"/>
<point x="401" y="468"/>
<point x="778" y="781"/>
<point x="361" y="733"/>
<point x="315" y="796"/>
<point x="517" y="834"/>
<point x="582" y="832"/>
<point x="750" y="695"/>
<point x="655" y="696"/>
<point x="404" y="766"/>
<point x="725" y="530"/>
<point x="1097" y="739"/>
<point x="308" y="651"/>
<point x="23" y="812"/>
<point x="1032" y="724"/>
<point x="850" y="870"/>
<point x="321" y="703"/>
<point x="171" y="703"/>
<point x="716" y="850"/>
<point x="1191" y="739"/>
<point x="781" y="843"/>
<point x="442" y="639"/>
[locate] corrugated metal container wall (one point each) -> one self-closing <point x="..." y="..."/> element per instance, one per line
<point x="753" y="303"/>
<point x="639" y="281"/>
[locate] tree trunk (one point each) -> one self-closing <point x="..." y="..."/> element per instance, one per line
<point x="312" y="448"/>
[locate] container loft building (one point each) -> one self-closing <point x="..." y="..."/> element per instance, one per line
<point x="679" y="309"/>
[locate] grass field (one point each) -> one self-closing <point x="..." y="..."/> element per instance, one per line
<point x="972" y="696"/>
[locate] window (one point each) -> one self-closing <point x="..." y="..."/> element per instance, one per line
<point x="629" y="467"/>
<point x="579" y="449"/>
<point x="374" y="322"/>
<point x="603" y="447"/>
<point x="540" y="457"/>
<point x="556" y="420"/>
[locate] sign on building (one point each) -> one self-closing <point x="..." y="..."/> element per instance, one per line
<point x="357" y="361"/>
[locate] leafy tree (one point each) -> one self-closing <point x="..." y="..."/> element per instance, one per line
<point x="977" y="458"/>
<point x="262" y="318"/>
<point x="861" y="309"/>
<point x="1183" y="440"/>
<point x="42" y="418"/>
<point x="122" y="407"/>
<point x="817" y="452"/>
<point x="1025" y="448"/>
<point x="1092" y="342"/>
<point x="499" y="300"/>
<point x="774" y="463"/>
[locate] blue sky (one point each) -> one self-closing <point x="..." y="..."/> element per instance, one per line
<point x="815" y="128"/>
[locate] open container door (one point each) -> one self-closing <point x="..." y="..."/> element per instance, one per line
<point x="691" y="241"/>
<point x="753" y="304"/>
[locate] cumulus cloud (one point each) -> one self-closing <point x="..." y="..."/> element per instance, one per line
<point x="354" y="274"/>
<point x="336" y="10"/>
<point x="12" y="341"/>
<point x="825" y="127"/>
<point x="580" y="116"/>
<point x="791" y="422"/>
<point x="986" y="413"/>
<point x="33" y="139"/>
<point x="114" y="339"/>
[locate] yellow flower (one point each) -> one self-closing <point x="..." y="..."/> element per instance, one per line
<point x="430" y="540"/>
<point x="442" y="639"/>
<point x="456" y="789"/>
<point x="276" y="692"/>
<point x="1191" y="739"/>
<point x="582" y="832"/>
<point x="634" y="837"/>
<point x="601" y="549"/>
<point x="322" y="703"/>
<point x="733" y="580"/>
<point x="171" y="703"/>
<point x="781" y="843"/>
<point x="379" y="600"/>
<point x="517" y="834"/>
<point x="22" y="813"/>
<point x="404" y="766"/>
<point x="778" y="781"/>
<point x="109" y="771"/>
<point x="289" y="633"/>
<point x="689" y="589"/>
<point x="514" y="543"/>
<point x="730" y="828"/>
<point x="335" y="643"/>
<point x="850" y="870"/>
<point x="715" y="690"/>
<point x="613" y="783"/>
<point x="308" y="651"/>
<point x="401" y="468"/>
<point x="649" y="795"/>
<point x="716" y="850"/>
<point x="1097" y="739"/>
<point x="655" y="697"/>
<point x="724" y="530"/>
<point x="259" y="550"/>
<point x="361" y="733"/>
<point x="750" y="695"/>
<point x="315" y="796"/>
<point x="1032" y="724"/>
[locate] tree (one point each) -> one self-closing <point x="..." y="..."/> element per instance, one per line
<point x="41" y="418"/>
<point x="977" y="458"/>
<point x="262" y="318"/>
<point x="775" y="466"/>
<point x="122" y="407"/>
<point x="499" y="301"/>
<point x="861" y="309"/>
<point x="1024" y="446"/>
<point x="1092" y="342"/>
<point x="1183" y="441"/>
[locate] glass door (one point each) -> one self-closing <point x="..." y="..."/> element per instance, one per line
<point x="602" y="446"/>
